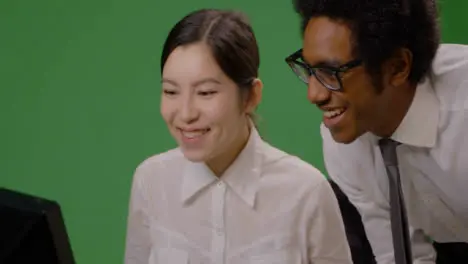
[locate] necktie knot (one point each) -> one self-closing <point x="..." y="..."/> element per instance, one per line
<point x="388" y="150"/>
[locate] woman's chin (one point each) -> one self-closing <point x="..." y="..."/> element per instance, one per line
<point x="198" y="155"/>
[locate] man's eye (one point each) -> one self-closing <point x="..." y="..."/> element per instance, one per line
<point x="325" y="71"/>
<point x="326" y="75"/>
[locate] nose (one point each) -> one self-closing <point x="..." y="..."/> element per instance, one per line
<point x="316" y="92"/>
<point x="188" y="110"/>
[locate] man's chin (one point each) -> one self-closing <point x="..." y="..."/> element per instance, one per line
<point x="342" y="137"/>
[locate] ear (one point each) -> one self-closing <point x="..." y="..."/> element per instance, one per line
<point x="253" y="100"/>
<point x="398" y="67"/>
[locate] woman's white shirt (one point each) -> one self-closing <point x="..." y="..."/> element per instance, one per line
<point x="268" y="207"/>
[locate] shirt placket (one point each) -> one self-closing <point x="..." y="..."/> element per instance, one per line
<point x="218" y="244"/>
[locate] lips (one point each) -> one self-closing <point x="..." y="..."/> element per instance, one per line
<point x="333" y="116"/>
<point x="194" y="133"/>
<point x="333" y="112"/>
<point x="193" y="136"/>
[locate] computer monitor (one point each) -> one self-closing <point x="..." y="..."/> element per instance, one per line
<point x="32" y="230"/>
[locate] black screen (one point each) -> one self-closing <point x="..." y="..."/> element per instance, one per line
<point x="32" y="230"/>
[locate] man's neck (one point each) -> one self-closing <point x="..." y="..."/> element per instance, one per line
<point x="395" y="110"/>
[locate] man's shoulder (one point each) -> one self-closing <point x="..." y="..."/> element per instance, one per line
<point x="449" y="70"/>
<point x="450" y="57"/>
<point x="450" y="83"/>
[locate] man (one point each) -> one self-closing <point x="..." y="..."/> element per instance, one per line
<point x="376" y="70"/>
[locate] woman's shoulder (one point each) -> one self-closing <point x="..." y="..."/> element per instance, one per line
<point x="283" y="164"/>
<point x="162" y="161"/>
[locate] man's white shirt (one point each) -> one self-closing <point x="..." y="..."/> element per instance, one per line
<point x="433" y="162"/>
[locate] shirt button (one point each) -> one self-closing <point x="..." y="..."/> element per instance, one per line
<point x="220" y="184"/>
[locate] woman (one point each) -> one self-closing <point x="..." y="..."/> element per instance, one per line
<point x="224" y="195"/>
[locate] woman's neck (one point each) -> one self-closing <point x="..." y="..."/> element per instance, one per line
<point x="221" y="163"/>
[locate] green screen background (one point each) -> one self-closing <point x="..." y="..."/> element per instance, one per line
<point x="79" y="98"/>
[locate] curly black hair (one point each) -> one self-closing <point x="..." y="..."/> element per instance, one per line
<point x="380" y="27"/>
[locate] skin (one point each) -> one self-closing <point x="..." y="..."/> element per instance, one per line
<point x="378" y="110"/>
<point x="198" y="97"/>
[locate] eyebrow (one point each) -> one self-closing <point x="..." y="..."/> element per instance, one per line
<point x="164" y="80"/>
<point x="323" y="63"/>
<point x="327" y="63"/>
<point x="197" y="83"/>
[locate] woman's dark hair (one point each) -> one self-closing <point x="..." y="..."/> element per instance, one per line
<point x="230" y="38"/>
<point x="381" y="27"/>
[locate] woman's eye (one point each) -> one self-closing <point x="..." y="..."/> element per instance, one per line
<point x="169" y="92"/>
<point x="207" y="93"/>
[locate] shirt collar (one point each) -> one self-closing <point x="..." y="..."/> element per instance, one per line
<point x="419" y="126"/>
<point x="243" y="176"/>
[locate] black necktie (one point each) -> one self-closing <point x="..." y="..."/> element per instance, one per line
<point x="399" y="221"/>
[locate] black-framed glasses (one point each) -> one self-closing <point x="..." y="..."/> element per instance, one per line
<point x="328" y="76"/>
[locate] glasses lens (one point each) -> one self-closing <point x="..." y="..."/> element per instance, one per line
<point x="328" y="78"/>
<point x="300" y="71"/>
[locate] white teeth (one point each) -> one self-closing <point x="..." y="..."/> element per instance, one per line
<point x="333" y="113"/>
<point x="194" y="134"/>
